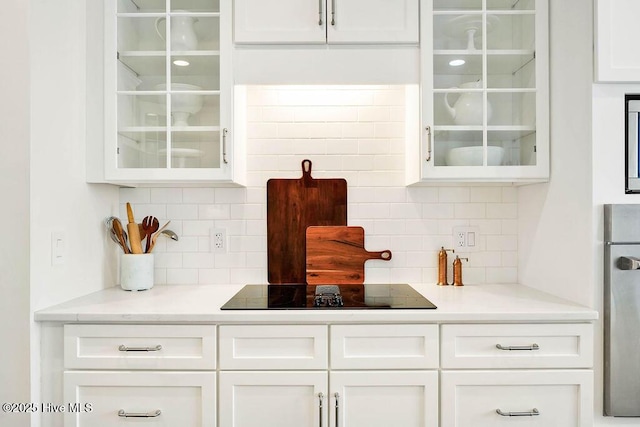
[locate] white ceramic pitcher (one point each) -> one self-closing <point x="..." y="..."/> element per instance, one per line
<point x="468" y="108"/>
<point x="183" y="36"/>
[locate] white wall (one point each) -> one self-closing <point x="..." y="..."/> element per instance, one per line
<point x="555" y="237"/>
<point x="60" y="199"/>
<point x="14" y="215"/>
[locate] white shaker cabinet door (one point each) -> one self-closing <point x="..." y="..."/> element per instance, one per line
<point x="372" y="21"/>
<point x="273" y="399"/>
<point x="279" y="21"/>
<point x="384" y="399"/>
<point x="617" y="35"/>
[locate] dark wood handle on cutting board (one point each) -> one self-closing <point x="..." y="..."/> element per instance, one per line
<point x="382" y="255"/>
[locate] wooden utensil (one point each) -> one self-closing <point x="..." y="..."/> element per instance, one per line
<point x="336" y="255"/>
<point x="292" y="206"/>
<point x="150" y="225"/>
<point x="134" y="233"/>
<point x="119" y="232"/>
<point x="155" y="236"/>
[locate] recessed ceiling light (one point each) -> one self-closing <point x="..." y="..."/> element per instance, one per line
<point x="181" y="63"/>
<point x="457" y="62"/>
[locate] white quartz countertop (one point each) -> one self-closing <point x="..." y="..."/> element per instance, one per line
<point x="201" y="304"/>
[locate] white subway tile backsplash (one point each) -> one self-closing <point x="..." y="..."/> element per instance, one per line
<point x="354" y="133"/>
<point x="198" y="195"/>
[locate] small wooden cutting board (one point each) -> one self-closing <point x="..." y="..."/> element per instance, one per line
<point x="336" y="255"/>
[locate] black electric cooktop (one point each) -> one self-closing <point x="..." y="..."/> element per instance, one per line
<point x="323" y="297"/>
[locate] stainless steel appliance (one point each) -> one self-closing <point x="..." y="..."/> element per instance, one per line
<point x="622" y="310"/>
<point x="322" y="297"/>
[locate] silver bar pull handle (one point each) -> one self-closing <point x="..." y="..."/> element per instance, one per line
<point x="125" y="348"/>
<point x="532" y="413"/>
<point x="337" y="396"/>
<point x="428" y="129"/>
<point x="333" y="12"/>
<point x="224" y="145"/>
<point x="320" y="407"/>
<point x="519" y="347"/>
<point x="123" y="414"/>
<point x="320" y="12"/>
<point x="628" y="263"/>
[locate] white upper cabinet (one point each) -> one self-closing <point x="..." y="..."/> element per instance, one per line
<point x="326" y="21"/>
<point x="168" y="92"/>
<point x="617" y="33"/>
<point x="484" y="101"/>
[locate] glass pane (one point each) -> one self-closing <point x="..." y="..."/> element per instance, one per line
<point x="512" y="109"/>
<point x="457" y="4"/>
<point x="195" y="149"/>
<point x="460" y="32"/>
<point x="195" y="5"/>
<point x="142" y="6"/>
<point x="141" y="34"/>
<point x="141" y="72"/>
<point x="511" y="71"/>
<point x="511" y="4"/>
<point x="512" y="32"/>
<point x="519" y="146"/>
<point x="192" y="108"/>
<point x="459" y="108"/>
<point x="190" y="32"/>
<point x="200" y="71"/>
<point x="458" y="148"/>
<point x="140" y="149"/>
<point x="141" y="111"/>
<point x="450" y="72"/>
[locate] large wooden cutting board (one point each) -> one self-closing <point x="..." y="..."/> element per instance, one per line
<point x="292" y="206"/>
<point x="336" y="255"/>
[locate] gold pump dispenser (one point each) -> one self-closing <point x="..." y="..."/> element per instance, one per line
<point x="442" y="266"/>
<point x="457" y="271"/>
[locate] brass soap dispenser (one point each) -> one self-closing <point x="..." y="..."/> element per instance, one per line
<point x="442" y="266"/>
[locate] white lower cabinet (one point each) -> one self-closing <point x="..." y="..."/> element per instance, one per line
<point x="549" y="398"/>
<point x="366" y="381"/>
<point x="336" y="399"/>
<point x="131" y="375"/>
<point x="152" y="399"/>
<point x="320" y="375"/>
<point x="273" y="399"/>
<point x="384" y="398"/>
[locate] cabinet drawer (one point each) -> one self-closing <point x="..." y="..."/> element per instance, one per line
<point x="517" y="346"/>
<point x="542" y="398"/>
<point x="140" y="347"/>
<point x="384" y="346"/>
<point x="185" y="399"/>
<point x="273" y="347"/>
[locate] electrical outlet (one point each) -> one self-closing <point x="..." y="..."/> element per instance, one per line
<point x="218" y="240"/>
<point x="465" y="239"/>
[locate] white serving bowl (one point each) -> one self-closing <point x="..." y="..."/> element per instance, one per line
<point x="472" y="156"/>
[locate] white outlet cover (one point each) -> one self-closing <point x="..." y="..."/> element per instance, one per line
<point x="469" y="241"/>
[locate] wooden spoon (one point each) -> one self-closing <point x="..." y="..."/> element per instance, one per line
<point x="150" y="225"/>
<point x="155" y="236"/>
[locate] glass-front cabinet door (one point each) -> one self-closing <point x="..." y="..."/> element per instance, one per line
<point x="485" y="90"/>
<point x="167" y="90"/>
